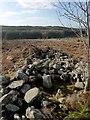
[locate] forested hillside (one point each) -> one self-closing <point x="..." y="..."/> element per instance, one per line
<point x="37" y="32"/>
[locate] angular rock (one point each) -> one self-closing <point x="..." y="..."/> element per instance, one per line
<point x="46" y="64"/>
<point x="60" y="72"/>
<point x="24" y="117"/>
<point x="8" y="98"/>
<point x="45" y="103"/>
<point x="57" y="55"/>
<point x="4" y="80"/>
<point x="20" y="102"/>
<point x="45" y="71"/>
<point x="32" y="78"/>
<point x="28" y="72"/>
<point x="36" y="63"/>
<point x="31" y="66"/>
<point x="16" y="84"/>
<point x="3" y="91"/>
<point x="17" y="116"/>
<point x="79" y="85"/>
<point x="29" y="113"/>
<point x="47" y="83"/>
<point x="3" y="118"/>
<point x="64" y="76"/>
<point x="51" y="63"/>
<point x="13" y="79"/>
<point x="22" y="76"/>
<point x="25" y="88"/>
<point x="32" y="113"/>
<point x="50" y="54"/>
<point x="12" y="107"/>
<point x="24" y="68"/>
<point x="57" y="66"/>
<point x="31" y="95"/>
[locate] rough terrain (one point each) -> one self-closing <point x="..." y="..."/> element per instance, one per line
<point x="48" y="86"/>
<point x="14" y="52"/>
<point x="44" y="80"/>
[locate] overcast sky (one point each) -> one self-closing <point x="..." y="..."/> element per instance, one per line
<point x="29" y="12"/>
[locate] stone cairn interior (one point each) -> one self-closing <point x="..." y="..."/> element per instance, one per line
<point x="41" y="86"/>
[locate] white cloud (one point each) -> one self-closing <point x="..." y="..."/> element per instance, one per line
<point x="14" y="13"/>
<point x="32" y="21"/>
<point x="36" y="4"/>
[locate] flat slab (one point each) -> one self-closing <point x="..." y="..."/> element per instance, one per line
<point x="31" y="94"/>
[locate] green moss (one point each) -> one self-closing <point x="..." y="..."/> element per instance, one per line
<point x="78" y="115"/>
<point x="70" y="88"/>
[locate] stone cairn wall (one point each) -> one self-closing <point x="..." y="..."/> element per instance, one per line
<point x="23" y="97"/>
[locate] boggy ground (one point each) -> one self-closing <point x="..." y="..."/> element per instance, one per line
<point x="14" y="52"/>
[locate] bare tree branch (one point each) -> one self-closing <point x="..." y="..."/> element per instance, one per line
<point x="77" y="12"/>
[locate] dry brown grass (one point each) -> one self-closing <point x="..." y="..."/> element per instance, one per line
<point x="18" y="50"/>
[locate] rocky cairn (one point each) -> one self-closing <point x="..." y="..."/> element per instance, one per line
<point x="37" y="90"/>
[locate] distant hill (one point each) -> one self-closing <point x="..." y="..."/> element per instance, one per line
<point x="37" y="32"/>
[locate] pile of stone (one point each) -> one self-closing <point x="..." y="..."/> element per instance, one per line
<point x="22" y="95"/>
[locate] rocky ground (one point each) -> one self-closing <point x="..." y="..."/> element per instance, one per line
<point x="14" y="52"/>
<point x="47" y="81"/>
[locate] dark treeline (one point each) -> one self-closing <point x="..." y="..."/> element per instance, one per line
<point x="36" y="32"/>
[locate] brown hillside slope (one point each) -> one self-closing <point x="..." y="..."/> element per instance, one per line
<point x="14" y="52"/>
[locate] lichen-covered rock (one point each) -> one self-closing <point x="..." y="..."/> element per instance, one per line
<point x="32" y="78"/>
<point x="35" y="114"/>
<point x="17" y="116"/>
<point x="24" y="117"/>
<point x="21" y="75"/>
<point x="44" y="103"/>
<point x="3" y="91"/>
<point x="31" y="95"/>
<point x="65" y="76"/>
<point x="47" y="83"/>
<point x="24" y="68"/>
<point x="20" y="102"/>
<point x="46" y="63"/>
<point x="16" y="84"/>
<point x="12" y="107"/>
<point x="51" y="63"/>
<point x="29" y="113"/>
<point x="57" y="55"/>
<point x="9" y="98"/>
<point x="79" y="85"/>
<point x="28" y="71"/>
<point x="57" y="66"/>
<point x="25" y="88"/>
